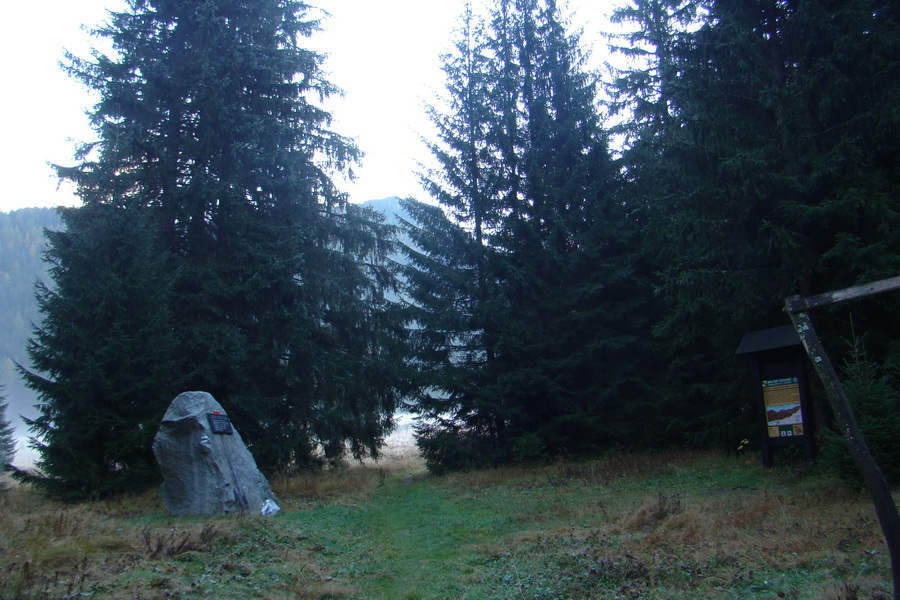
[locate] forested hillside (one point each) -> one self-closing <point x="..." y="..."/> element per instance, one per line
<point x="21" y="265"/>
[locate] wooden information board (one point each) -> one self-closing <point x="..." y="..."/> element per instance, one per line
<point x="779" y="375"/>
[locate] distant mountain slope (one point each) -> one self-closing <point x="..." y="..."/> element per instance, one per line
<point x="21" y="264"/>
<point x="389" y="207"/>
<point x="393" y="212"/>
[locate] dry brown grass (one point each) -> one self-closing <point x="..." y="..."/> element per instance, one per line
<point x="49" y="547"/>
<point x="325" y="590"/>
<point x="124" y="545"/>
<point x="778" y="531"/>
<point x="604" y="471"/>
<point x="696" y="525"/>
<point x="346" y="481"/>
<point x="852" y="591"/>
<point x="476" y="480"/>
<point x="652" y="513"/>
<point x="305" y="487"/>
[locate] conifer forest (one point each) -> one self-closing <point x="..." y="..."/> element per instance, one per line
<point x="593" y="248"/>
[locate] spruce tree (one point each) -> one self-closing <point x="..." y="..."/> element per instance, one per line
<point x="207" y="127"/>
<point x="450" y="277"/>
<point x="102" y="358"/>
<point x="507" y="284"/>
<point x="565" y="270"/>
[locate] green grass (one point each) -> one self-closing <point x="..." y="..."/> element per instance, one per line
<point x="665" y="526"/>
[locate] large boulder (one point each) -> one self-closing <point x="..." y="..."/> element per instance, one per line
<point x="206" y="468"/>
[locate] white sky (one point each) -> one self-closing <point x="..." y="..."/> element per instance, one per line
<point x="383" y="53"/>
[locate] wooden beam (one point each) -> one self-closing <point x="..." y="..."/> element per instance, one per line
<point x="878" y="488"/>
<point x="796" y="304"/>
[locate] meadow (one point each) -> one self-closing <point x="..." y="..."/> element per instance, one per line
<point x="655" y="526"/>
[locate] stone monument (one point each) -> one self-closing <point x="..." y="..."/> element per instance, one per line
<point x="206" y="468"/>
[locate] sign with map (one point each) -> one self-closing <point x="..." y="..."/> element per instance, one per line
<point x="781" y="398"/>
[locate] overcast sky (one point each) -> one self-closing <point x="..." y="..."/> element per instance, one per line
<point x="384" y="54"/>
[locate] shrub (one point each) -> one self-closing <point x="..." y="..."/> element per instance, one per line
<point x="874" y="394"/>
<point x="449" y="448"/>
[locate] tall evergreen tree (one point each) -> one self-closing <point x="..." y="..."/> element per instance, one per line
<point x="102" y="358"/>
<point x="565" y="270"/>
<point x="206" y="122"/>
<point x="526" y="254"/>
<point x="451" y="279"/>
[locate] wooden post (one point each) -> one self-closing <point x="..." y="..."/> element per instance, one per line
<point x="876" y="484"/>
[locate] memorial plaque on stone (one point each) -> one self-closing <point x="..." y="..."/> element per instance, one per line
<point x="219" y="423"/>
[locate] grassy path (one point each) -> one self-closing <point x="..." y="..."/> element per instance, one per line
<point x="416" y="540"/>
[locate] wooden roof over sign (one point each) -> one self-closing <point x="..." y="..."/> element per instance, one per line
<point x="769" y="339"/>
